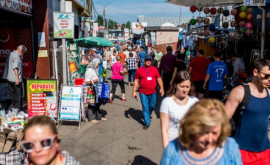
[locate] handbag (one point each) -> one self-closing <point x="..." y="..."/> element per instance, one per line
<point x="91" y="95"/>
<point x="105" y="93"/>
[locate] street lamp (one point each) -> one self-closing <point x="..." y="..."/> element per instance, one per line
<point x="104" y="14"/>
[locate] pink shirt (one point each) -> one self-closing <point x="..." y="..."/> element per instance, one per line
<point x="116" y="68"/>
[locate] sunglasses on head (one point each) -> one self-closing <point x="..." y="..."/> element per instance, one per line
<point x="266" y="76"/>
<point x="28" y="146"/>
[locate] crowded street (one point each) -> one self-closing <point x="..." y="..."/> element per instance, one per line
<point x="134" y="82"/>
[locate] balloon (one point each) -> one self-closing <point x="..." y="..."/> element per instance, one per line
<point x="212" y="28"/>
<point x="199" y="19"/>
<point x="242" y="23"/>
<point x="234" y="11"/>
<point x="225" y="25"/>
<point x="220" y="10"/>
<point x="233" y="23"/>
<point x="193" y="9"/>
<point x="249" y="10"/>
<point x="213" y="10"/>
<point x="212" y="40"/>
<point x="192" y="21"/>
<point x="249" y="16"/>
<point x="249" y="32"/>
<point x="242" y="29"/>
<point x="199" y="9"/>
<point x="248" y="25"/>
<point x="244" y="8"/>
<point x="206" y="10"/>
<point x="206" y="21"/>
<point x="226" y="13"/>
<point x="242" y="14"/>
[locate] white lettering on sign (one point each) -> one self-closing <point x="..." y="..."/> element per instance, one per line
<point x="4" y="51"/>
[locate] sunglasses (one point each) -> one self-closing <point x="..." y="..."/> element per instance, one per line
<point x="266" y="76"/>
<point x="28" y="146"/>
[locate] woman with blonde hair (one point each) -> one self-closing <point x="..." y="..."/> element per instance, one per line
<point x="203" y="138"/>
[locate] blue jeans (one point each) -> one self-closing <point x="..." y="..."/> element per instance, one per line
<point x="148" y="105"/>
<point x="131" y="73"/>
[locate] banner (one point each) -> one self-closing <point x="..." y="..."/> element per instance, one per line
<point x="138" y="27"/>
<point x="254" y="2"/>
<point x="42" y="97"/>
<point x="63" y="25"/>
<point x="70" y="103"/>
<point x="18" y="5"/>
<point x="126" y="33"/>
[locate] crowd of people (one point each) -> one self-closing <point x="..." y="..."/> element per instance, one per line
<point x="195" y="123"/>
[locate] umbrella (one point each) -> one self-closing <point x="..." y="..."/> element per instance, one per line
<point x="93" y="42"/>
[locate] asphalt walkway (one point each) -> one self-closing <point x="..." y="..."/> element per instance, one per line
<point x="118" y="141"/>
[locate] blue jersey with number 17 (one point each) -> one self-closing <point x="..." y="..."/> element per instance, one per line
<point x="217" y="70"/>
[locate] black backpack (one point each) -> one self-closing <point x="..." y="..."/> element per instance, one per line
<point x="237" y="116"/>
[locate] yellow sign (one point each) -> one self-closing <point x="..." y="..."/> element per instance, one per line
<point x="42" y="53"/>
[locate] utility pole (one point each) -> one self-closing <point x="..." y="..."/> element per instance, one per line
<point x="104" y="16"/>
<point x="64" y="60"/>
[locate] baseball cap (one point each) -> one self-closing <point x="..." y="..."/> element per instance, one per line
<point x="94" y="49"/>
<point x="147" y="57"/>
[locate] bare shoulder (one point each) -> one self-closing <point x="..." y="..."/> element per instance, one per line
<point x="237" y="94"/>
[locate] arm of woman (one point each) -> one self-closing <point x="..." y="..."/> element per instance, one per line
<point x="164" y="121"/>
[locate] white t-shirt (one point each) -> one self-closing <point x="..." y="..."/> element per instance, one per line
<point x="113" y="59"/>
<point x="176" y="113"/>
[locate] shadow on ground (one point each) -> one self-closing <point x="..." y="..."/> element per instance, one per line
<point x="141" y="160"/>
<point x="159" y="99"/>
<point x="135" y="114"/>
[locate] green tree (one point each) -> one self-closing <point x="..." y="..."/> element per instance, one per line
<point x="123" y="26"/>
<point x="128" y="25"/>
<point x="100" y="20"/>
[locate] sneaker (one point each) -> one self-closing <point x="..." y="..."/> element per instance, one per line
<point x="124" y="99"/>
<point x="145" y="127"/>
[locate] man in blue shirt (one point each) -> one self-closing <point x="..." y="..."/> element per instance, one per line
<point x="215" y="74"/>
<point x="141" y="56"/>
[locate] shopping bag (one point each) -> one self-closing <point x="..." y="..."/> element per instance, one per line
<point x="105" y="94"/>
<point x="91" y="95"/>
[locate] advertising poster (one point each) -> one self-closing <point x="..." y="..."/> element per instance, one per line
<point x="63" y="25"/>
<point x="70" y="103"/>
<point x="42" y="98"/>
<point x="138" y="27"/>
<point x="254" y="2"/>
<point x="73" y="62"/>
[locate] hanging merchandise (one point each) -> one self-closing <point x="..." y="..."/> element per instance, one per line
<point x="249" y="32"/>
<point x="242" y="23"/>
<point x="242" y="29"/>
<point x="226" y="13"/>
<point x="242" y="14"/>
<point x="206" y="33"/>
<point x="206" y="10"/>
<point x="206" y="21"/>
<point x="199" y="19"/>
<point x="200" y="32"/>
<point x="233" y="23"/>
<point x="249" y="16"/>
<point x="213" y="10"/>
<point x="199" y="9"/>
<point x="193" y="9"/>
<point x="234" y="11"/>
<point x="212" y="28"/>
<point x="244" y="8"/>
<point x="192" y="21"/>
<point x="249" y="10"/>
<point x="248" y="25"/>
<point x="220" y="10"/>
<point x="225" y="25"/>
<point x="212" y="40"/>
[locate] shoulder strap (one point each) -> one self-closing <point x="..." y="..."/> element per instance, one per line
<point x="247" y="96"/>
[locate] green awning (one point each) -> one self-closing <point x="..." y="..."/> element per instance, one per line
<point x="93" y="42"/>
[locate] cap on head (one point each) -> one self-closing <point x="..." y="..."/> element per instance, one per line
<point x="94" y="49"/>
<point x="147" y="57"/>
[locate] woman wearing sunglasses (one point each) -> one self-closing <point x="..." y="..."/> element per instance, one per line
<point x="41" y="143"/>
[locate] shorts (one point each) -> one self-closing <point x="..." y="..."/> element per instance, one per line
<point x="255" y="158"/>
<point x="199" y="86"/>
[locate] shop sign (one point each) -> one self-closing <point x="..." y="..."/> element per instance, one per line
<point x="254" y="2"/>
<point x="18" y="5"/>
<point x="63" y="25"/>
<point x="70" y="103"/>
<point x="138" y="27"/>
<point x="126" y="33"/>
<point x="42" y="97"/>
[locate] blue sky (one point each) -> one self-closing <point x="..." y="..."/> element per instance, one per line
<point x="128" y="10"/>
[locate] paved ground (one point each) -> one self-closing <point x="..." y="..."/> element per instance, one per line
<point x="118" y="141"/>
